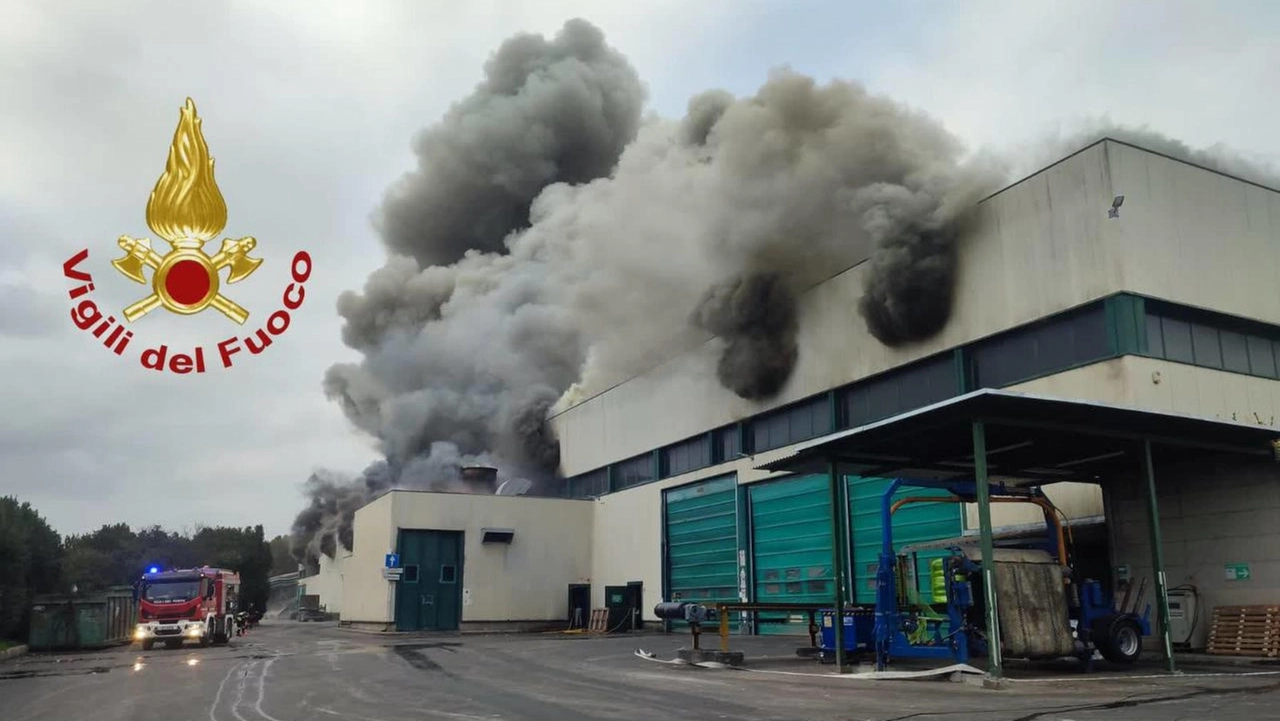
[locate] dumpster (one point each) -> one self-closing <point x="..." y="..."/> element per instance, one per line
<point x="82" y="621"/>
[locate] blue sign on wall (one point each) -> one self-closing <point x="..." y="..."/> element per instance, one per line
<point x="393" y="560"/>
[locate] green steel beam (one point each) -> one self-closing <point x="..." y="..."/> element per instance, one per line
<point x="964" y="380"/>
<point x="995" y="665"/>
<point x="837" y="562"/>
<point x="1157" y="558"/>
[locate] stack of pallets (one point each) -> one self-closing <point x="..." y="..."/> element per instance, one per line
<point x="1245" y="631"/>
<point x="599" y="620"/>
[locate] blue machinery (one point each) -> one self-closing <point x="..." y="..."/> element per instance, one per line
<point x="952" y="627"/>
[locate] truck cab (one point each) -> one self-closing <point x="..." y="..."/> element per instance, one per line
<point x="197" y="604"/>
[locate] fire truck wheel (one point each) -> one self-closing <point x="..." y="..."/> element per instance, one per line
<point x="204" y="641"/>
<point x="148" y="645"/>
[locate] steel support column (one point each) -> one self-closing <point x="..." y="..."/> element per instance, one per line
<point x="995" y="664"/>
<point x="837" y="562"/>
<point x="1157" y="558"/>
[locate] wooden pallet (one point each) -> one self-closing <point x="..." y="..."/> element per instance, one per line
<point x="1245" y="631"/>
<point x="599" y="620"/>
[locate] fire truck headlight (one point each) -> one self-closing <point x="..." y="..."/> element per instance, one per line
<point x="194" y="631"/>
<point x="140" y="632"/>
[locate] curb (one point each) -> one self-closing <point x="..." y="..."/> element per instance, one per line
<point x="12" y="652"/>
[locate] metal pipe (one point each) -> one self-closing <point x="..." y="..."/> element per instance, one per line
<point x="1050" y="509"/>
<point x="1157" y="558"/>
<point x="995" y="664"/>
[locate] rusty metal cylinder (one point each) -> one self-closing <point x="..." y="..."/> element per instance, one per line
<point x="481" y="478"/>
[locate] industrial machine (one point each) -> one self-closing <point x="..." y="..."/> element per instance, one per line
<point x="1045" y="609"/>
<point x="195" y="604"/>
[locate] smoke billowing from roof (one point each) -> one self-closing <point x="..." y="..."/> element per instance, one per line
<point x="552" y="243"/>
<point x="756" y="317"/>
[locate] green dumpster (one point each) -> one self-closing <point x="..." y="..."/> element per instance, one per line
<point x="60" y="622"/>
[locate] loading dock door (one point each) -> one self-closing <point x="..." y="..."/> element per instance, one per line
<point x="913" y="523"/>
<point x="791" y="545"/>
<point x="429" y="592"/>
<point x="701" y="522"/>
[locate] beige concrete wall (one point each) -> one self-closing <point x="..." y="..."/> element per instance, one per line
<point x="1052" y="223"/>
<point x="526" y="580"/>
<point x="1211" y="514"/>
<point x="1160" y="385"/>
<point x="1194" y="236"/>
<point x="329" y="582"/>
<point x="367" y="595"/>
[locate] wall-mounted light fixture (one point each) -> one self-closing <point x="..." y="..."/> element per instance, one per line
<point x="1114" y="212"/>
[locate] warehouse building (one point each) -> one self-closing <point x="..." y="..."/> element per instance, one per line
<point x="1164" y="302"/>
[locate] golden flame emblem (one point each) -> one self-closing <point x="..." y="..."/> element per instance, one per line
<point x="187" y="210"/>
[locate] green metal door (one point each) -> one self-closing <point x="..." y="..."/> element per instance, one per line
<point x="701" y="521"/>
<point x="791" y="545"/>
<point x="913" y="523"/>
<point x="429" y="592"/>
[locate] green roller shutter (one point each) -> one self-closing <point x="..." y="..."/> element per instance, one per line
<point x="791" y="544"/>
<point x="702" y="541"/>
<point x="913" y="523"/>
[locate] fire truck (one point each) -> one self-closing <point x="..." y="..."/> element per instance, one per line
<point x="192" y="604"/>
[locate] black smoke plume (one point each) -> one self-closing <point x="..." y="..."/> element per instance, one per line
<point x="756" y="317"/>
<point x="909" y="285"/>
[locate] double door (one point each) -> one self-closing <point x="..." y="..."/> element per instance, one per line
<point x="429" y="592"/>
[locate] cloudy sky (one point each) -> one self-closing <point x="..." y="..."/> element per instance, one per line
<point x="309" y="109"/>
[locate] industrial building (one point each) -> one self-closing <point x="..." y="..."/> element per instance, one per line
<point x="1117" y="290"/>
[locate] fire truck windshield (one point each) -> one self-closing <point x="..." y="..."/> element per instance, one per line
<point x="171" y="591"/>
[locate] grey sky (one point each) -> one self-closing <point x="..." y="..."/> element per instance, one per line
<point x="309" y="109"/>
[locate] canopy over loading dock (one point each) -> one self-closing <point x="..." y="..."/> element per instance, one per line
<point x="1020" y="439"/>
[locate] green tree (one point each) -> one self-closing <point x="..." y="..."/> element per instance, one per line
<point x="282" y="561"/>
<point x="30" y="563"/>
<point x="109" y="556"/>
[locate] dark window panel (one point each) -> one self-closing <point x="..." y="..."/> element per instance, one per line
<point x="1235" y="352"/>
<point x="1061" y="343"/>
<point x="1177" y="340"/>
<point x="822" y="417"/>
<point x="1155" y="337"/>
<point x="634" y="471"/>
<point x="1262" y="359"/>
<point x="1205" y="346"/>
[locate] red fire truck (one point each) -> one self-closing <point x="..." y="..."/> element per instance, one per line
<point x="191" y="604"/>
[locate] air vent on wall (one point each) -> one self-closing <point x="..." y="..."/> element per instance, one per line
<point x="496" y="535"/>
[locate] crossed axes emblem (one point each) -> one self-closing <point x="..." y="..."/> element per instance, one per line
<point x="233" y="254"/>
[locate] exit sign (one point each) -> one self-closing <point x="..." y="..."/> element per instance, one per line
<point x="1236" y="571"/>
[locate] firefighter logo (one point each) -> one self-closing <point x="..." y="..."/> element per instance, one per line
<point x="187" y="210"/>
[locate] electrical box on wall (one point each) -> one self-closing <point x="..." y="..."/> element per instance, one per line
<point x="1122" y="574"/>
<point x="1182" y="615"/>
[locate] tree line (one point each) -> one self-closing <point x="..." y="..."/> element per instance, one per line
<point x="35" y="559"/>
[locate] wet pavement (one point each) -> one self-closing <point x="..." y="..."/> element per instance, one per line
<point x="288" y="671"/>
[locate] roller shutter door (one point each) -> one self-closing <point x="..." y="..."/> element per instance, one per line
<point x="702" y="541"/>
<point x="791" y="548"/>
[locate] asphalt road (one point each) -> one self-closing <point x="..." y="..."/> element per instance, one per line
<point x="303" y="672"/>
